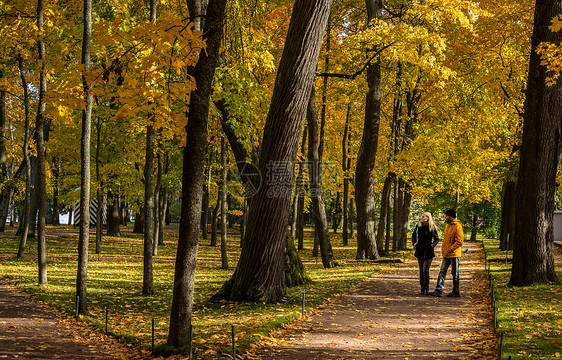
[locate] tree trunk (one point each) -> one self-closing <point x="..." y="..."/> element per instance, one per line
<point x="260" y="274"/>
<point x="336" y="213"/>
<point x="192" y="176"/>
<point x="5" y="202"/>
<point x="300" y="219"/>
<point x="6" y="193"/>
<point x="507" y="215"/>
<point x="395" y="214"/>
<point x="205" y="206"/>
<point x="295" y="208"/>
<point x="404" y="216"/>
<point x="474" y="227"/>
<point x="351" y="215"/>
<point x="385" y="210"/>
<point x="295" y="272"/>
<point x="99" y="220"/>
<point x="215" y="219"/>
<point x="387" y="220"/>
<point x="364" y="172"/>
<point x="40" y="147"/>
<point x="148" y="279"/>
<point x="315" y="179"/>
<point x="162" y="215"/>
<point x="24" y="221"/>
<point x="113" y="222"/>
<point x="345" y="148"/>
<point x="533" y="252"/>
<point x="55" y="170"/>
<point x="138" y="227"/>
<point x="99" y="212"/>
<point x="300" y="193"/>
<point x="224" y="253"/>
<point x="157" y="194"/>
<point x="83" y="240"/>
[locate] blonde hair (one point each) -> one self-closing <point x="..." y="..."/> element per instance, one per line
<point x="430" y="222"/>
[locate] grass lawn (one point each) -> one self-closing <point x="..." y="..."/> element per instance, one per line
<point x="115" y="286"/>
<point x="530" y="317"/>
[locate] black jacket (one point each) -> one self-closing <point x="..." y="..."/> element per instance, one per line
<point x="426" y="240"/>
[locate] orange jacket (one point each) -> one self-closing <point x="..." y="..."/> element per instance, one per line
<point x="452" y="240"/>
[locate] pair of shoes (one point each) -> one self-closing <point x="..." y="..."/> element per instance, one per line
<point x="454" y="294"/>
<point x="436" y="293"/>
<point x="422" y="292"/>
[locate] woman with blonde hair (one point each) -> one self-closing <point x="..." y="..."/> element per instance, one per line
<point x="424" y="239"/>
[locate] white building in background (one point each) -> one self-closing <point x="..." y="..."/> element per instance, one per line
<point x="558" y="226"/>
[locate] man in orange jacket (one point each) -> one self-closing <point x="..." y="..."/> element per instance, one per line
<point x="451" y="251"/>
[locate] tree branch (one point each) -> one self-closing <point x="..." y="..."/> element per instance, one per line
<point x="360" y="71"/>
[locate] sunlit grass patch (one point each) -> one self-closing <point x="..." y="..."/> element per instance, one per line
<point x="530" y="317"/>
<point x="115" y="288"/>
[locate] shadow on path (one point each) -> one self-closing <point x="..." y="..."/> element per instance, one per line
<point x="385" y="318"/>
<point x="30" y="330"/>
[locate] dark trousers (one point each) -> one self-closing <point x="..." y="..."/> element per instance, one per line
<point x="424" y="264"/>
<point x="454" y="263"/>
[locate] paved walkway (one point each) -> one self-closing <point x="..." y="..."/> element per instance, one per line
<point x="385" y="318"/>
<point x="30" y="330"/>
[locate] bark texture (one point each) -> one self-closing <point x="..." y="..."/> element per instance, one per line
<point x="508" y="215"/>
<point x="315" y="178"/>
<point x="533" y="240"/>
<point x="147" y="278"/>
<point x="192" y="177"/>
<point x="27" y="163"/>
<point x="84" y="232"/>
<point x="364" y="177"/>
<point x="224" y="253"/>
<point x="345" y="164"/>
<point x="260" y="274"/>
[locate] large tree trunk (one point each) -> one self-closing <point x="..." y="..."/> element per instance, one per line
<point x="364" y="175"/>
<point x="84" y="232"/>
<point x="260" y="274"/>
<point x="315" y="178"/>
<point x="533" y="253"/>
<point x="24" y="221"/>
<point x="192" y="176"/>
<point x="40" y="147"/>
